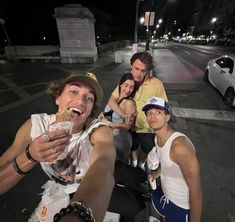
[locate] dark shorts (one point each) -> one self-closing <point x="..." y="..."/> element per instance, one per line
<point x="143" y="140"/>
<point x="128" y="200"/>
<point x="168" y="209"/>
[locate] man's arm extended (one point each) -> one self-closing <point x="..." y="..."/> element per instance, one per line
<point x="96" y="188"/>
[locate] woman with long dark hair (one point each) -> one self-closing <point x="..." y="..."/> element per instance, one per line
<point x="121" y="125"/>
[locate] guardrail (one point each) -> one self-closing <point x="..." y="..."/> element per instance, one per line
<point x="112" y="46"/>
<point x="52" y="53"/>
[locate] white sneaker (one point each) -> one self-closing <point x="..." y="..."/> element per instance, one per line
<point x="153" y="219"/>
<point x="134" y="163"/>
<point x="142" y="166"/>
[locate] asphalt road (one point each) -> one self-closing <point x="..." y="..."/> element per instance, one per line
<point x="203" y="117"/>
<point x="22" y="93"/>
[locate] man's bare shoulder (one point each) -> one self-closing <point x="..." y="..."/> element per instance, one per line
<point x="102" y="133"/>
<point x="181" y="145"/>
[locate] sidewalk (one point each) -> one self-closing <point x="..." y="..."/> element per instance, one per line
<point x="22" y="92"/>
<point x="22" y="89"/>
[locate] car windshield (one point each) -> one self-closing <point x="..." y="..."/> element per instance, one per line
<point x="226" y="62"/>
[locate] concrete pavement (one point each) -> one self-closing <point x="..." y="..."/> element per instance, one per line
<point x="22" y="93"/>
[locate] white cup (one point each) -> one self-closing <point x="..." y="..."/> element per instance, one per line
<point x="152" y="182"/>
<point x="67" y="125"/>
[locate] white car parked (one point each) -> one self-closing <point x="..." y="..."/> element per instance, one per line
<point x="220" y="72"/>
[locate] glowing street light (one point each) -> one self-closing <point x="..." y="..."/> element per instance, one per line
<point x="160" y="21"/>
<point x="2" y="23"/>
<point x="213" y="20"/>
<point x="142" y="20"/>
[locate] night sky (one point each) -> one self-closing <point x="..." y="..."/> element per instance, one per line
<point x="27" y="22"/>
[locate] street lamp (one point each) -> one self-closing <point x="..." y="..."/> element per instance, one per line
<point x="2" y="23"/>
<point x="142" y="20"/>
<point x="215" y="27"/>
<point x="136" y="21"/>
<point x="149" y="22"/>
<point x="213" y="20"/>
<point x="135" y="44"/>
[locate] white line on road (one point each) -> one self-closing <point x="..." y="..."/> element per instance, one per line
<point x="204" y="114"/>
<point x="17" y="89"/>
<point x="189" y="53"/>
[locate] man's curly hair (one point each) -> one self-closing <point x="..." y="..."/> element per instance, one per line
<point x="56" y="88"/>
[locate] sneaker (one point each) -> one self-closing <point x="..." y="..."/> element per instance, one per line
<point x="153" y="219"/>
<point x="134" y="164"/>
<point x="142" y="166"/>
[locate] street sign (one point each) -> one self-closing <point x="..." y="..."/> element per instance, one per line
<point x="149" y="18"/>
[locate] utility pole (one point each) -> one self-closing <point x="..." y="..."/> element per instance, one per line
<point x="150" y="17"/>
<point x="2" y="23"/>
<point x="149" y="22"/>
<point x="136" y="21"/>
<point x="135" y="44"/>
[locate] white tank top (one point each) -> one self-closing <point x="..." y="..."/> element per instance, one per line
<point x="172" y="181"/>
<point x="77" y="161"/>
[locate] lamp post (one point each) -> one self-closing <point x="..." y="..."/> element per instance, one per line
<point x="136" y="21"/>
<point x="135" y="44"/>
<point x="215" y="29"/>
<point x="2" y="23"/>
<point x="149" y="22"/>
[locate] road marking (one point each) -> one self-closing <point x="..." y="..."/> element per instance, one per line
<point x="203" y="114"/>
<point x="187" y="52"/>
<point x="17" y="89"/>
<point x="20" y="102"/>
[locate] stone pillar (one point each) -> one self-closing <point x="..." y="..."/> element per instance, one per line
<point x="76" y="33"/>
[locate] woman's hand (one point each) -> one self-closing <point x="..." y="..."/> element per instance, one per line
<point x="101" y="116"/>
<point x="48" y="146"/>
<point x="107" y="122"/>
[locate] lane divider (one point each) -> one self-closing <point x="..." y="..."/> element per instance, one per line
<point x="219" y="115"/>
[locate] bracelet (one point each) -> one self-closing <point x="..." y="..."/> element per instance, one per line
<point x="29" y="156"/>
<point x="78" y="209"/>
<point x="17" y="168"/>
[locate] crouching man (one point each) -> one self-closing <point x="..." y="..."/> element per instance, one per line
<point x="178" y="197"/>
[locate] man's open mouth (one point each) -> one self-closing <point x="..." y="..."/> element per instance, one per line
<point x="75" y="112"/>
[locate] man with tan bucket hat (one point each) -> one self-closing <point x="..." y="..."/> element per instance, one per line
<point x="73" y="148"/>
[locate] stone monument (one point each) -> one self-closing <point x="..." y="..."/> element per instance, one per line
<point x="76" y="33"/>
